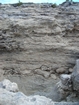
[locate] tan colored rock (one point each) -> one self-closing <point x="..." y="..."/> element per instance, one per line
<point x="6" y="84"/>
<point x="26" y="72"/>
<point x="53" y="76"/>
<point x="44" y="67"/>
<point x="70" y="70"/>
<point x="43" y="73"/>
<point x="8" y="97"/>
<point x="60" y="70"/>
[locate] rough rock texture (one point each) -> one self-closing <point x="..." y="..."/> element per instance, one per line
<point x="75" y="76"/>
<point x="36" y="43"/>
<point x="6" y="84"/>
<point x="66" y="103"/>
<point x="8" y="97"/>
<point x="11" y="97"/>
<point x="69" y="85"/>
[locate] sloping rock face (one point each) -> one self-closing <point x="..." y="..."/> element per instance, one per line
<point x="38" y="42"/>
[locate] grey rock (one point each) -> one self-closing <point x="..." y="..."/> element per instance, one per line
<point x="6" y="84"/>
<point x="75" y="76"/>
<point x="53" y="76"/>
<point x="73" y="97"/>
<point x="60" y="70"/>
<point x="8" y="97"/>
<point x="65" y="79"/>
<point x="32" y="36"/>
<point x="67" y="103"/>
<point x="76" y="83"/>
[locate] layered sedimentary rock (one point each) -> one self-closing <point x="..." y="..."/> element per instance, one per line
<point x="37" y="43"/>
<point x="68" y="86"/>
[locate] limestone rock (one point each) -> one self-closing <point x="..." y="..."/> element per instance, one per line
<point x="53" y="76"/>
<point x="43" y="73"/>
<point x="75" y="76"/>
<point x="76" y="83"/>
<point x="66" y="103"/>
<point x="8" y="97"/>
<point x="65" y="79"/>
<point x="32" y="36"/>
<point x="6" y="84"/>
<point x="60" y="70"/>
<point x="70" y="70"/>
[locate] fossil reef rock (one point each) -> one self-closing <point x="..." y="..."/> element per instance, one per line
<point x="37" y="44"/>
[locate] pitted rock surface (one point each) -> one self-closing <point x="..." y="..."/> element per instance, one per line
<point x="8" y="97"/>
<point x="37" y="41"/>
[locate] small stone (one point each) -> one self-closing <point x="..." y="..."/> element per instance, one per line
<point x="77" y="65"/>
<point x="60" y="70"/>
<point x="65" y="79"/>
<point x="6" y="84"/>
<point x="18" y="98"/>
<point x="76" y="69"/>
<point x="53" y="76"/>
<point x="76" y="83"/>
<point x="70" y="70"/>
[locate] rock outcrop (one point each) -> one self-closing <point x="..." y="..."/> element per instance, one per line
<point x="37" y="44"/>
<point x="9" y="96"/>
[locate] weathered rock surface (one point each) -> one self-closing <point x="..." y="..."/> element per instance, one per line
<point x="6" y="84"/>
<point x="36" y="43"/>
<point x="11" y="97"/>
<point x="69" y="84"/>
<point x="75" y="76"/>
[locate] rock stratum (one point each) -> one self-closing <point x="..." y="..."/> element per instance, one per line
<point x="37" y="44"/>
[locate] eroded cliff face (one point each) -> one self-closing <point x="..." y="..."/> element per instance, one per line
<point x="37" y="43"/>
